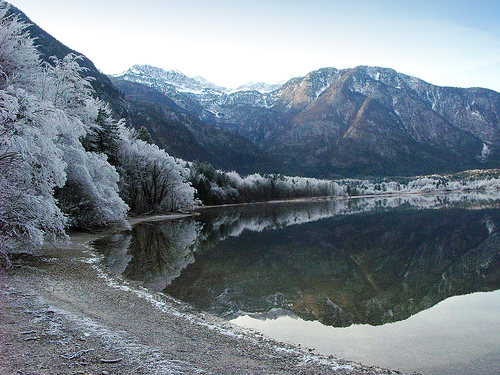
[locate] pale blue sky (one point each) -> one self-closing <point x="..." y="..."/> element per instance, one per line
<point x="231" y="42"/>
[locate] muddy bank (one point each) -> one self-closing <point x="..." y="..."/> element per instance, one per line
<point x="63" y="313"/>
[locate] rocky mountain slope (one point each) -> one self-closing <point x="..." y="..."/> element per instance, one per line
<point x="366" y="120"/>
<point x="176" y="124"/>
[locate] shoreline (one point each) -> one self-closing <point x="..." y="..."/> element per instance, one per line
<point x="346" y="197"/>
<point x="63" y="312"/>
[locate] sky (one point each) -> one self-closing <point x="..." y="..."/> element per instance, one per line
<point x="232" y="42"/>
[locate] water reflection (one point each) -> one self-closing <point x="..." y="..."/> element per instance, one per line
<point x="152" y="253"/>
<point x="371" y="261"/>
<point x="458" y="336"/>
<point x="233" y="221"/>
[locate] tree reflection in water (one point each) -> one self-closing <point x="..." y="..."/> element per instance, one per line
<point x="153" y="253"/>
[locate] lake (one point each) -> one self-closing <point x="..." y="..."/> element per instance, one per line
<point x="409" y="282"/>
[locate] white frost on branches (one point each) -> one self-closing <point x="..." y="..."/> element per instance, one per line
<point x="32" y="166"/>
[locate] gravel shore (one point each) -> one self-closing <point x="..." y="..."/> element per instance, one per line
<point x="62" y="312"/>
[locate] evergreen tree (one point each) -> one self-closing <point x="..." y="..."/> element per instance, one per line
<point x="144" y="135"/>
<point x="104" y="136"/>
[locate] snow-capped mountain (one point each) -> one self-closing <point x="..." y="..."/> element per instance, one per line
<point x="261" y="87"/>
<point x="189" y="92"/>
<point x="365" y="120"/>
<point x="157" y="77"/>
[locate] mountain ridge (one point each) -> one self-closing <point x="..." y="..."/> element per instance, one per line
<point x="363" y="120"/>
<point x="151" y="75"/>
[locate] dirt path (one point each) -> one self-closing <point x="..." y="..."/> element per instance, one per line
<point x="61" y="312"/>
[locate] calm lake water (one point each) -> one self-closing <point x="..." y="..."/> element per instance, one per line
<point x="409" y="283"/>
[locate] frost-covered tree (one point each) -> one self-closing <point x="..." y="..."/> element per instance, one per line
<point x="151" y="180"/>
<point x="45" y="111"/>
<point x="32" y="165"/>
<point x="90" y="196"/>
<point x="19" y="59"/>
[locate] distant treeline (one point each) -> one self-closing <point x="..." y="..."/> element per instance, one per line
<point x="216" y="187"/>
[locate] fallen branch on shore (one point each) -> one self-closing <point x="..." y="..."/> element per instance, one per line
<point x="32" y="338"/>
<point x="116" y="360"/>
<point x="27" y="332"/>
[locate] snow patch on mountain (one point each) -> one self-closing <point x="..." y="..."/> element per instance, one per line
<point x="154" y="76"/>
<point x="485" y="152"/>
<point x="261" y="87"/>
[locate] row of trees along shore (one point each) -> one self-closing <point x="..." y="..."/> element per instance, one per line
<point x="66" y="162"/>
<point x="214" y="187"/>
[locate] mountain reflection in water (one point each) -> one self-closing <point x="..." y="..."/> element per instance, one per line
<point x="341" y="262"/>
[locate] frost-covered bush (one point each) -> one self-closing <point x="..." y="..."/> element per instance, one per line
<point x="424" y="184"/>
<point x="90" y="195"/>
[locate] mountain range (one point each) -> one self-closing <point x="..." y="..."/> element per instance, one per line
<point x="361" y="121"/>
<point x="368" y="121"/>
